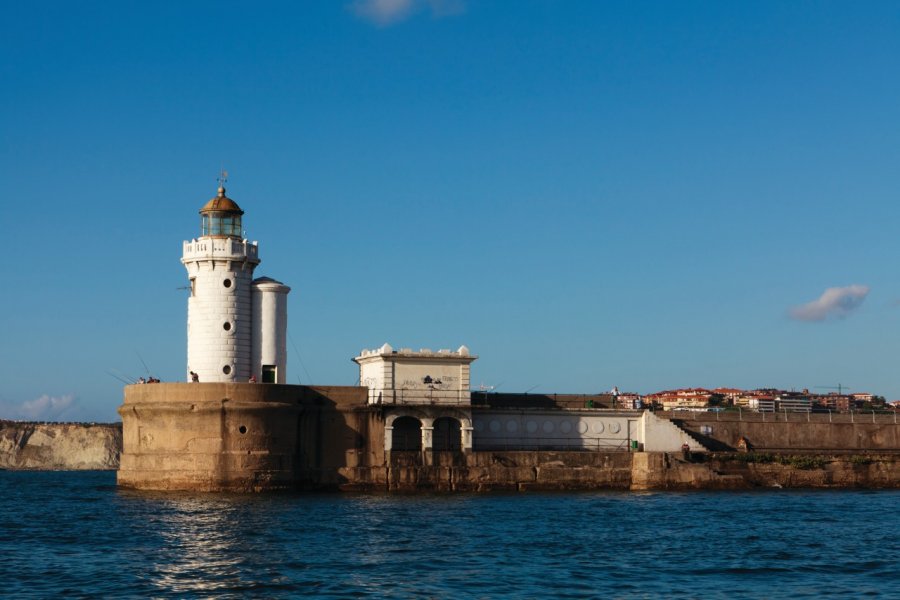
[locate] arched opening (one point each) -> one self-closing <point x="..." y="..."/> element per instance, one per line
<point x="447" y="434"/>
<point x="407" y="434"/>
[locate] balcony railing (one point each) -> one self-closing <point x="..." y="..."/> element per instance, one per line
<point x="436" y="396"/>
<point x="216" y="247"/>
<point x="856" y="416"/>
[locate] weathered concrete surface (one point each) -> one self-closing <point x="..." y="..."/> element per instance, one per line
<point x="660" y="471"/>
<point x="818" y="433"/>
<point x="507" y="470"/>
<point x="243" y="436"/>
<point x="811" y="470"/>
<point x="60" y="446"/>
<point x="543" y="470"/>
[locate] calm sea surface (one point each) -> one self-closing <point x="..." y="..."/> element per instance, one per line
<point x="76" y="535"/>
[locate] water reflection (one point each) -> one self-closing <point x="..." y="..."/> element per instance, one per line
<point x="204" y="544"/>
<point x="78" y="536"/>
<point x="197" y="550"/>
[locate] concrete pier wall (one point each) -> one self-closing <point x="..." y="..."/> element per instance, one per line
<point x="243" y="436"/>
<point x="552" y="471"/>
<point x="780" y="432"/>
<point x="254" y="437"/>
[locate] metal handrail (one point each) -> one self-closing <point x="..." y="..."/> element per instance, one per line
<point x="884" y="418"/>
<point x="463" y="397"/>
<point x="444" y="397"/>
<point x="553" y="443"/>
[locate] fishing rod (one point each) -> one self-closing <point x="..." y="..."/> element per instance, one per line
<point x="299" y="358"/>
<point x="127" y="378"/>
<point x="146" y="368"/>
<point x="119" y="378"/>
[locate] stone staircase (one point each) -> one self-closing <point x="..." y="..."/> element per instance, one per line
<point x="663" y="435"/>
<point x="711" y="444"/>
<point x="694" y="436"/>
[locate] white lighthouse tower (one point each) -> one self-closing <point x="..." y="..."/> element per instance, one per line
<point x="237" y="327"/>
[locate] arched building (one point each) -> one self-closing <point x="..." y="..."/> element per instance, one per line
<point x="425" y="387"/>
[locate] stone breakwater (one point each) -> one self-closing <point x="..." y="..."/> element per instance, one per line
<point x="83" y="446"/>
<point x="60" y="446"/>
<point x="569" y="471"/>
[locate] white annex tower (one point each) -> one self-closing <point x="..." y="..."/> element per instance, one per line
<point x="237" y="326"/>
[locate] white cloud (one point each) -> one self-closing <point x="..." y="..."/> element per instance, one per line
<point x="836" y="302"/>
<point x="388" y="12"/>
<point x="446" y="8"/>
<point x="44" y="408"/>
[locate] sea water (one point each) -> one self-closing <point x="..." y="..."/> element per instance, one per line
<point x="74" y="534"/>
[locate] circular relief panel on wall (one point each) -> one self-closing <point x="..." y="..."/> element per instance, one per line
<point x="531" y="427"/>
<point x="615" y="427"/>
<point x="565" y="427"/>
<point x="582" y="427"/>
<point x="512" y="426"/>
<point x="548" y="426"/>
<point x="597" y="427"/>
<point x="495" y="425"/>
<point x="479" y="426"/>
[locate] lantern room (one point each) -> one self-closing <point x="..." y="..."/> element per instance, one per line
<point x="221" y="217"/>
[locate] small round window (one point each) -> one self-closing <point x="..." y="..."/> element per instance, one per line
<point x="227" y="369"/>
<point x="226" y="326"/>
<point x="227" y="283"/>
<point x="242" y="429"/>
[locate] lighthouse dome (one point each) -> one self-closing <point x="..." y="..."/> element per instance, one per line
<point x="221" y="216"/>
<point x="221" y="203"/>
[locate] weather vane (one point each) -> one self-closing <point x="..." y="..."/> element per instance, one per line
<point x="223" y="177"/>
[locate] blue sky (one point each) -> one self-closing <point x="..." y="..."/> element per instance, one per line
<point x="587" y="194"/>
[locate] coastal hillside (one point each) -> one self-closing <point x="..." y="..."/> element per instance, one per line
<point x="60" y="446"/>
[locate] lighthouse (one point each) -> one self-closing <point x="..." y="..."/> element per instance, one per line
<point x="236" y="326"/>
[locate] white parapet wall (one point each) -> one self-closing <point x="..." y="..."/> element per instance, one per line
<point x="535" y="429"/>
<point x="577" y="429"/>
<point x="661" y="435"/>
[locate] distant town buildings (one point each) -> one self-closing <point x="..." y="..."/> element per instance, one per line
<point x="629" y="401"/>
<point x="688" y="398"/>
<point x="762" y="400"/>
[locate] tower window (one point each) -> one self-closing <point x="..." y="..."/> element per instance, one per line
<point x="227" y="369"/>
<point x="193" y="286"/>
<point x="269" y="374"/>
<point x="226" y="326"/>
<point x="227" y="283"/>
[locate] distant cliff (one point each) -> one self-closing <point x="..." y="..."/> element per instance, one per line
<point x="60" y="446"/>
